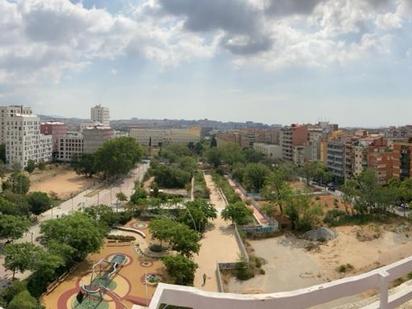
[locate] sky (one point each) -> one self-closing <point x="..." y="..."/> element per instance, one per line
<point x="271" y="61"/>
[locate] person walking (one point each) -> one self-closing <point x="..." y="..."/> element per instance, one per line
<point x="204" y="279"/>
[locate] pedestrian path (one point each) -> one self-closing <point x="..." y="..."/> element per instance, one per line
<point x="217" y="245"/>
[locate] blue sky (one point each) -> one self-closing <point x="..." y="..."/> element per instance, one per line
<point x="274" y="61"/>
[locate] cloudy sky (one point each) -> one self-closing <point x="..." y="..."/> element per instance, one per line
<point x="275" y="61"/>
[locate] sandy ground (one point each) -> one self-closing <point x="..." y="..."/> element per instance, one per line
<point x="290" y="266"/>
<point x="59" y="179"/>
<point x="129" y="281"/>
<point x="217" y="245"/>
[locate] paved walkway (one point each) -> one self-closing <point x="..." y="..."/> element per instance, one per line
<point x="217" y="245"/>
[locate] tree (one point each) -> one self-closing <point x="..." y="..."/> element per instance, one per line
<point x="31" y="166"/>
<point x="103" y="215"/>
<point x="367" y="195"/>
<point x="138" y="196"/>
<point x="121" y="197"/>
<point x="14" y="204"/>
<point x="39" y="202"/>
<point x="197" y="214"/>
<point x="116" y="157"/>
<point x="277" y="190"/>
<point x="214" y="157"/>
<point x="170" y="176"/>
<point x="255" y="175"/>
<point x="17" y="183"/>
<point x="12" y="227"/>
<point x="85" y="164"/>
<point x="20" y="257"/>
<point x="303" y="214"/>
<point x="181" y="269"/>
<point x="315" y="170"/>
<point x="24" y="300"/>
<point x="179" y="236"/>
<point x="77" y="230"/>
<point x="238" y="213"/>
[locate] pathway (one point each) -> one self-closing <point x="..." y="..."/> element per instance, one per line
<point x="217" y="245"/>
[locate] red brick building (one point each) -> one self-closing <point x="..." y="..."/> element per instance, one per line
<point x="56" y="129"/>
<point x="402" y="160"/>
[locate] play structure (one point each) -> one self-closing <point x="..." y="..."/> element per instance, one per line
<point x="101" y="280"/>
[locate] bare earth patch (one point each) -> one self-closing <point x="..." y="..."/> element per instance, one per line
<point x="61" y="180"/>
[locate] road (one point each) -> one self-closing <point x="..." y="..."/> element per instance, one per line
<point x="91" y="197"/>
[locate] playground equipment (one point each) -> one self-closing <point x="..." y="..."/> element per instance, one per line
<point x="103" y="273"/>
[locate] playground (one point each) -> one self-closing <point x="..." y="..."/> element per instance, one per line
<point x="117" y="277"/>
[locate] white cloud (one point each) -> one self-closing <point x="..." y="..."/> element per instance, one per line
<point x="42" y="39"/>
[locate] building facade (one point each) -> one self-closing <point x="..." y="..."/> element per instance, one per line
<point x="272" y="152"/>
<point x="7" y="112"/>
<point x="95" y="137"/>
<point x="57" y="130"/>
<point x="402" y="160"/>
<point x="24" y="141"/>
<point x="159" y="137"/>
<point x="71" y="146"/>
<point x="290" y="137"/>
<point x="100" y="114"/>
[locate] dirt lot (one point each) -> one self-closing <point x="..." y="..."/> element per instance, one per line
<point x="59" y="179"/>
<point x="291" y="266"/>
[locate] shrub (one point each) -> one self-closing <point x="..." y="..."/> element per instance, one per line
<point x="344" y="268"/>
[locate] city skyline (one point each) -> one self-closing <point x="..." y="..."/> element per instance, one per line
<point x="266" y="61"/>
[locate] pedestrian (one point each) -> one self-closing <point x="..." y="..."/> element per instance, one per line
<point x="204" y="279"/>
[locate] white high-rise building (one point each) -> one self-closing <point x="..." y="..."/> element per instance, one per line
<point x="100" y="114"/>
<point x="24" y="141"/>
<point x="7" y="112"/>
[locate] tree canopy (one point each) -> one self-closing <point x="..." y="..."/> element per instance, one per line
<point x="238" y="213"/>
<point x="17" y="183"/>
<point x="39" y="202"/>
<point x="77" y="230"/>
<point x="13" y="227"/>
<point x="197" y="214"/>
<point x="181" y="269"/>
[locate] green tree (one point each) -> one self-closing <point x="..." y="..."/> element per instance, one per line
<point x="20" y="257"/>
<point x="118" y="156"/>
<point x="277" y="189"/>
<point x="255" y="175"/>
<point x="197" y="214"/>
<point x="24" y="300"/>
<point x="12" y="227"/>
<point x="138" y="196"/>
<point x="121" y="197"/>
<point x="85" y="164"/>
<point x="103" y="215"/>
<point x="179" y="236"/>
<point x="14" y="204"/>
<point x="315" y="170"/>
<point x="170" y="176"/>
<point x="238" y="213"/>
<point x="39" y="202"/>
<point x="181" y="269"/>
<point x="31" y="166"/>
<point x="77" y="230"/>
<point x="17" y="183"/>
<point x="367" y="195"/>
<point x="303" y="213"/>
<point x="214" y="157"/>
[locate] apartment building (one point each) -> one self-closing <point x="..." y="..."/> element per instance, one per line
<point x="159" y="137"/>
<point x="71" y="145"/>
<point x="402" y="160"/>
<point x="24" y="141"/>
<point x="7" y="112"/>
<point x="336" y="158"/>
<point x="291" y="136"/>
<point x="57" y="130"/>
<point x="272" y="152"/>
<point x="95" y="137"/>
<point x="100" y="114"/>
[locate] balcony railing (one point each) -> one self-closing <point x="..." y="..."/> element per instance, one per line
<point x="379" y="279"/>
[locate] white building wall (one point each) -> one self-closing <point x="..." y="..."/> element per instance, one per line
<point x="100" y="114"/>
<point x="24" y="141"/>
